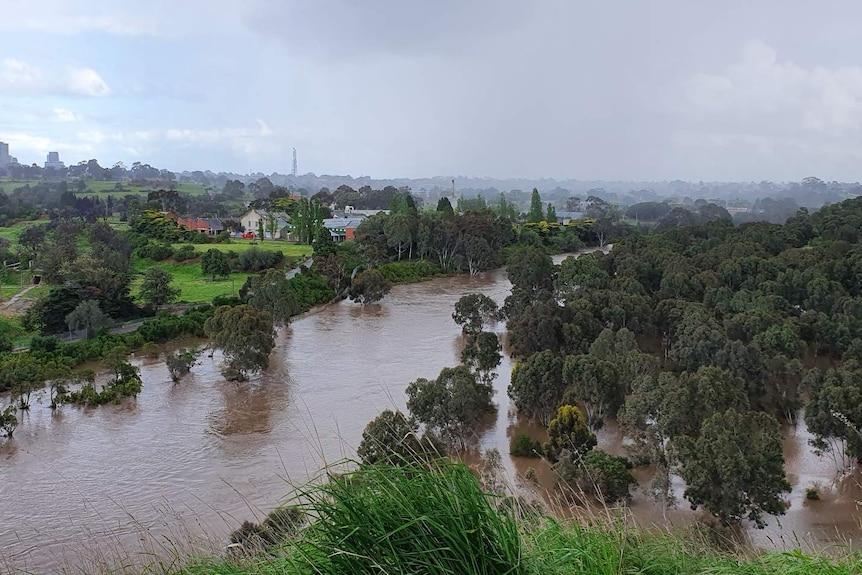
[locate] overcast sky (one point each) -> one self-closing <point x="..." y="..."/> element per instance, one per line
<point x="623" y="90"/>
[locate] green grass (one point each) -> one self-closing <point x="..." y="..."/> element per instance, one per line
<point x="389" y="520"/>
<point x="103" y="187"/>
<point x="239" y="245"/>
<point x="12" y="232"/>
<point x="194" y="286"/>
<point x="8" y="184"/>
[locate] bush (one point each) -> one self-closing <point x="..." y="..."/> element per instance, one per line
<point x="812" y="494"/>
<point x="408" y="272"/>
<point x="220" y="300"/>
<point x="279" y="524"/>
<point x="310" y="290"/>
<point x="604" y="475"/>
<point x="155" y="251"/>
<point x="196" y="238"/>
<point x="255" y="259"/>
<point x="187" y="252"/>
<point x="125" y="383"/>
<point x="523" y="445"/>
<point x="150" y="350"/>
<point x="180" y="362"/>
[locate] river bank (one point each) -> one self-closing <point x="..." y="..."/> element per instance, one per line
<point x="196" y="459"/>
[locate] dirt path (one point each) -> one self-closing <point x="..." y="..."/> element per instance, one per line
<point x="16" y="304"/>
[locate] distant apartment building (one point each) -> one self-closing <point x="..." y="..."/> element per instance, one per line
<point x="5" y="158"/>
<point x="53" y="161"/>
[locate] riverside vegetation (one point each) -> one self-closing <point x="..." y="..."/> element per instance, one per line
<point x="568" y="323"/>
<point x="90" y="266"/>
<point x="698" y="339"/>
<point x="436" y="518"/>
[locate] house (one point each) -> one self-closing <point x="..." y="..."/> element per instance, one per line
<point x="563" y="218"/>
<point x="194" y="224"/>
<point x="216" y="226"/>
<point x="208" y="226"/>
<point x="250" y="221"/>
<point x="342" y="229"/>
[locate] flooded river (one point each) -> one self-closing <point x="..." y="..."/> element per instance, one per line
<point x="202" y="456"/>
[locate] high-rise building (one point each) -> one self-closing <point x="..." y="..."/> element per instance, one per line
<point x="5" y="158"/>
<point x="54" y="161"/>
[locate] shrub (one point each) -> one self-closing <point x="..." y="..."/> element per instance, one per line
<point x="606" y="476"/>
<point x="523" y="445"/>
<point x="186" y="252"/>
<point x="125" y="383"/>
<point x="812" y="494"/>
<point x="255" y="259"/>
<point x="196" y="237"/>
<point x="8" y="421"/>
<point x="150" y="350"/>
<point x="155" y="251"/>
<point x="180" y="362"/>
<point x="220" y="300"/>
<point x="310" y="290"/>
<point x="279" y="524"/>
<point x="408" y="272"/>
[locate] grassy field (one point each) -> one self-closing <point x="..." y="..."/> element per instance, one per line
<point x="100" y="188"/>
<point x="103" y="188"/>
<point x="197" y="288"/>
<point x="11" y="233"/>
<point x="188" y="277"/>
<point x="290" y="250"/>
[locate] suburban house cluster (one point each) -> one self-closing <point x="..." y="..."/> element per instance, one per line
<point x="342" y="226"/>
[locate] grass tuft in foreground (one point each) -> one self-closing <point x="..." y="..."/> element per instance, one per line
<point x="414" y="519"/>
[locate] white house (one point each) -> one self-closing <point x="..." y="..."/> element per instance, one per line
<point x="250" y="221"/>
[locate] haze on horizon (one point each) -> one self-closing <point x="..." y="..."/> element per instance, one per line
<point x="612" y="90"/>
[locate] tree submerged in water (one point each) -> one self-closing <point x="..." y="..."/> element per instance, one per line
<point x="180" y="362"/>
<point x="8" y="421"/>
<point x="392" y="439"/>
<point x="245" y="336"/>
<point x="125" y="382"/>
<point x="369" y="287"/>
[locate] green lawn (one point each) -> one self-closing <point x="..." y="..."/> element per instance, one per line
<point x="188" y="277"/>
<point x="197" y="288"/>
<point x="9" y="184"/>
<point x="100" y="187"/>
<point x="12" y="232"/>
<point x="239" y="245"/>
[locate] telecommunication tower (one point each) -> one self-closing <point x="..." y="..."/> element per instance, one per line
<point x="294" y="162"/>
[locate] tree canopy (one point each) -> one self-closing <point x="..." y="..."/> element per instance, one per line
<point x="245" y="336"/>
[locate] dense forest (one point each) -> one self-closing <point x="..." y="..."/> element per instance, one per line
<point x="700" y="340"/>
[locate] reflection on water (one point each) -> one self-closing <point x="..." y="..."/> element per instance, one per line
<point x="208" y="453"/>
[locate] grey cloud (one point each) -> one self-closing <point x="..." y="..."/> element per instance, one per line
<point x="614" y="89"/>
<point x="344" y="29"/>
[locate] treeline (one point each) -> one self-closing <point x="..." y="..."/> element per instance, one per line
<point x="699" y="340"/>
<point x="470" y="242"/>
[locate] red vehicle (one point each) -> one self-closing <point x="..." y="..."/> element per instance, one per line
<point x="248" y="235"/>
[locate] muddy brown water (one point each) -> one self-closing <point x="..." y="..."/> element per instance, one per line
<point x="202" y="456"/>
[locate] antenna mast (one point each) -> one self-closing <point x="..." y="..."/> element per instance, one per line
<point x="294" y="162"/>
